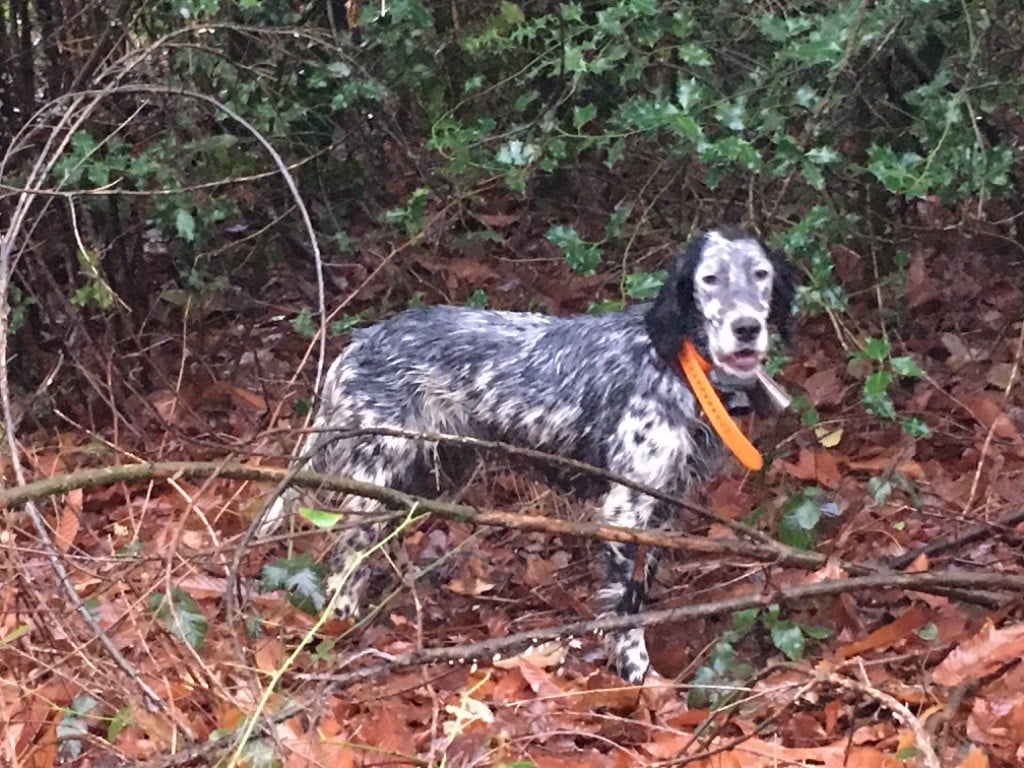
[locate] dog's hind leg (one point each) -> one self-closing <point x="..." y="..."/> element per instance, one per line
<point x="394" y="462"/>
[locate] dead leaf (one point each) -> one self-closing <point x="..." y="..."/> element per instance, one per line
<point x="540" y="682"/>
<point x="269" y="654"/>
<point x="389" y="734"/>
<point x="469" y="585"/>
<point x="828" y="437"/>
<point x="960" y="354"/>
<point x="987" y="409"/>
<point x="919" y="287"/>
<point x="1000" y="375"/>
<point x="497" y="220"/>
<point x="998" y="723"/>
<point x="824" y="388"/>
<point x="886" y="636"/>
<point x="69" y="520"/>
<point x="555" y="761"/>
<point x="538" y="571"/>
<point x="510" y="687"/>
<point x="542" y="656"/>
<point x="919" y="564"/>
<point x="728" y="499"/>
<point x="255" y="401"/>
<point x="818" y="466"/>
<point x="910" y="468"/>
<point x="465" y="714"/>
<point x="980" y="655"/>
<point x="473" y="271"/>
<point x="665" y="746"/>
<point x="605" y="690"/>
<point x="157" y="726"/>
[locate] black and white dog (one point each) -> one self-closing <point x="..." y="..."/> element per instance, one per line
<point x="603" y="389"/>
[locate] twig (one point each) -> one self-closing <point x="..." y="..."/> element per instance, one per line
<point x="967" y="536"/>
<point x="561" y="462"/>
<point x="52" y="147"/>
<point x="922" y="741"/>
<point x="485" y="650"/>
<point x="768" y="551"/>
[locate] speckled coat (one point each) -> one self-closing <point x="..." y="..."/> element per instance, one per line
<point x="604" y="389"/>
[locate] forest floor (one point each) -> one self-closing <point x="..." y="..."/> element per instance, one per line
<point x="865" y="675"/>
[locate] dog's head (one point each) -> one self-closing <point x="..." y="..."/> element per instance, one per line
<point x="721" y="293"/>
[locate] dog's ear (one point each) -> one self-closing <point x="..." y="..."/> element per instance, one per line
<point x="783" y="295"/>
<point x="670" y="317"/>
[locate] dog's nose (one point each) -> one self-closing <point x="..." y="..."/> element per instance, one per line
<point x="746" y="329"/>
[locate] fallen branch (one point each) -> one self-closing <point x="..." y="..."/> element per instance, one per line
<point x="563" y="463"/>
<point x="922" y="739"/>
<point x="484" y="651"/>
<point x="769" y="551"/>
<point x="765" y="550"/>
<point x="949" y="543"/>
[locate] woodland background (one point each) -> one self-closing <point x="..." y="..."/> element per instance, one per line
<point x="199" y="199"/>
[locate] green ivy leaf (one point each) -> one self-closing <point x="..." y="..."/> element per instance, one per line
<point x="346" y="323"/>
<point x="906" y="366"/>
<point x="121" y="720"/>
<point x="511" y="13"/>
<point x="877" y="383"/>
<point x="643" y="285"/>
<point x="822" y="155"/>
<point x="815" y="632"/>
<point x="789" y="639"/>
<point x="616" y="219"/>
<point x="583" y="115"/>
<point x="185" y="225"/>
<point x="875" y="395"/>
<point x="477" y="299"/>
<point x="915" y="427"/>
<point x="743" y="621"/>
<point x="300" y="577"/>
<point x="321" y="518"/>
<point x="604" y="305"/>
<point x="876" y="348"/>
<point x="801" y="514"/>
<point x="805" y="513"/>
<point x="180" y="615"/>
<point x="581" y="256"/>
<point x="74" y="722"/>
<point x="303" y="324"/>
<point x="880" y="489"/>
<point x="517" y="153"/>
<point x="794" y="535"/>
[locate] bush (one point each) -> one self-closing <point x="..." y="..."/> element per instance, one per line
<point x="813" y="121"/>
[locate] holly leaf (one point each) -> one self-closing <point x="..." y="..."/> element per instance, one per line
<point x="180" y="614"/>
<point x="300" y="577"/>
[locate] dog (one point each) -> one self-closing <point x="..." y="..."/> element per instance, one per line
<point x="605" y="389"/>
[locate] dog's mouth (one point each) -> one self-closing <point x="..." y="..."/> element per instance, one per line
<point x="742" y="363"/>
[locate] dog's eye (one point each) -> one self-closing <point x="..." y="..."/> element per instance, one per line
<point x="710" y="279"/>
<point x="762" y="274"/>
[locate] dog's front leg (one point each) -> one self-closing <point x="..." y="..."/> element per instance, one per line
<point x="626" y="590"/>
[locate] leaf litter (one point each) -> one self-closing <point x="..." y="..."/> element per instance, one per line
<point x="151" y="563"/>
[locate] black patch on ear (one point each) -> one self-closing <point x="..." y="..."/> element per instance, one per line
<point x="783" y="294"/>
<point x="672" y="317"/>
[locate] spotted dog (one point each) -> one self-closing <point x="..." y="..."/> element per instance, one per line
<point x="604" y="389"/>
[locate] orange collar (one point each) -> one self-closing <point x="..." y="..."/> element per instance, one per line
<point x="696" y="370"/>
